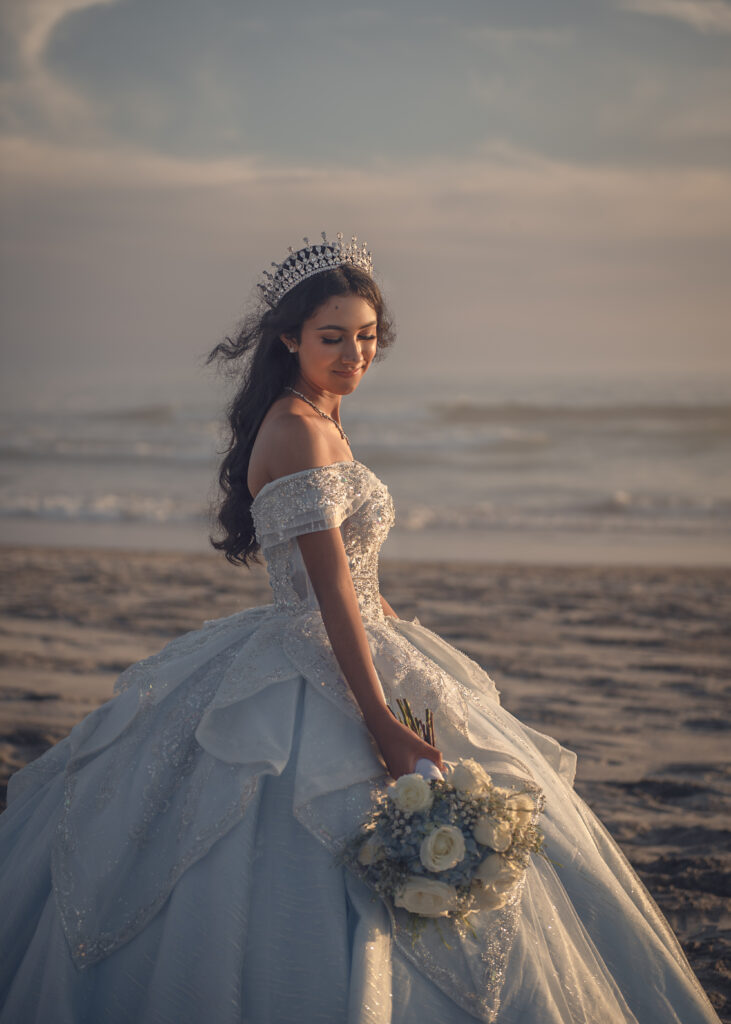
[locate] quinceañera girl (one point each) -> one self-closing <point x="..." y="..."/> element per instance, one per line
<point x="179" y="856"/>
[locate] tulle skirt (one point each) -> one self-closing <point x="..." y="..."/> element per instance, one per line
<point x="173" y="860"/>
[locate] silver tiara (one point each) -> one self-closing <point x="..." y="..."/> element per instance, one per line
<point x="313" y="259"/>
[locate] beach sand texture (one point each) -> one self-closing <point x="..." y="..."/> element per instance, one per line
<point x="628" y="666"/>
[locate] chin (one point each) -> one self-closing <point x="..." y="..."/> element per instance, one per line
<point x="348" y="384"/>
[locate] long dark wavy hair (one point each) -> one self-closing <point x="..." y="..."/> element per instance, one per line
<point x="266" y="369"/>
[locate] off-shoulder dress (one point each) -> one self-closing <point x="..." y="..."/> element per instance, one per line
<point x="174" y="858"/>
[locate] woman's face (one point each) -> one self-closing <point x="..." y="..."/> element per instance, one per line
<point x="337" y="345"/>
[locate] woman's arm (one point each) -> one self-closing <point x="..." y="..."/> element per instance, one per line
<point x="293" y="443"/>
<point x="387" y="609"/>
<point x="323" y="553"/>
<point x="326" y="561"/>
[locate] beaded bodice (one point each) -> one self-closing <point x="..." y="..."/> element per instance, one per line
<point x="344" y="494"/>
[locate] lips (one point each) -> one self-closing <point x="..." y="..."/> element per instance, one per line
<point x="347" y="373"/>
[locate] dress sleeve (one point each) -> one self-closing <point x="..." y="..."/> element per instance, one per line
<point x="315" y="499"/>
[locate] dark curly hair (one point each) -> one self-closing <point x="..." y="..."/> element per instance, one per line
<point x="267" y="369"/>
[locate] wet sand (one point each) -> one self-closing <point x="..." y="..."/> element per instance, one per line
<point x="628" y="666"/>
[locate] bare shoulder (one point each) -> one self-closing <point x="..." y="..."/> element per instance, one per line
<point x="289" y="440"/>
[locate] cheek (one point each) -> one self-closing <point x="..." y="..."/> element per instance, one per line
<point x="320" y="354"/>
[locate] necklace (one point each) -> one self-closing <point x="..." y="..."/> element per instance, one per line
<point x="317" y="409"/>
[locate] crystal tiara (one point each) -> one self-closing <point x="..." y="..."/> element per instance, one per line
<point x="313" y="259"/>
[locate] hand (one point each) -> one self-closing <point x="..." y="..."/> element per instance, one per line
<point x="400" y="746"/>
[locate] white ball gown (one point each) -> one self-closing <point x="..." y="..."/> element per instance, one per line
<point x="173" y="858"/>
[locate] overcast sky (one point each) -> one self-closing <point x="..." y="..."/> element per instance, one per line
<point x="544" y="184"/>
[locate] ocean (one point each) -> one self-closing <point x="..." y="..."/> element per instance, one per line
<point x="548" y="468"/>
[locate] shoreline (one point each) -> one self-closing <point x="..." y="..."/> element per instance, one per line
<point x="625" y="546"/>
<point x="626" y="665"/>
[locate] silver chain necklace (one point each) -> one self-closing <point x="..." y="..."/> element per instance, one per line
<point x="317" y="409"/>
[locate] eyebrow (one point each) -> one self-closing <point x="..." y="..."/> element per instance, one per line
<point x="337" y="327"/>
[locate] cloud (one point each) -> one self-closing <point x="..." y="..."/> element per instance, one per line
<point x="156" y="156"/>
<point x="504" y="191"/>
<point x="711" y="16"/>
<point x="35" y="93"/>
<point x="237" y="80"/>
<point x="688" y="117"/>
<point x="115" y="259"/>
<point x="699" y="125"/>
<point x="32" y="23"/>
<point x="509" y="38"/>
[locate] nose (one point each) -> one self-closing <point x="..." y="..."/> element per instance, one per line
<point x="351" y="352"/>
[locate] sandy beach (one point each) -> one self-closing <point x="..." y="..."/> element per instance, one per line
<point x="628" y="666"/>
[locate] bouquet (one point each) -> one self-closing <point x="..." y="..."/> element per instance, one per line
<point x="444" y="847"/>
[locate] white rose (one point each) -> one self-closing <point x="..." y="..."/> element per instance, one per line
<point x="469" y="778"/>
<point x="498" y="873"/>
<point x="411" y="793"/>
<point x="498" y="835"/>
<point x="426" y="896"/>
<point x="371" y="849"/>
<point x="442" y="848"/>
<point x="521" y="807"/>
<point x="486" y="898"/>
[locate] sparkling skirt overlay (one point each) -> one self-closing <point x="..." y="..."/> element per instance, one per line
<point x="174" y="859"/>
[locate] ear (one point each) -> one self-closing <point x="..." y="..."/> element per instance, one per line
<point x="289" y="342"/>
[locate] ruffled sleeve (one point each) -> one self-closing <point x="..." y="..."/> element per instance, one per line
<point x="314" y="499"/>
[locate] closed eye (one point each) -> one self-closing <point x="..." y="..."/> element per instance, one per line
<point x="363" y="337"/>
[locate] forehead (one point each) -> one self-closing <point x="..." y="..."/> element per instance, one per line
<point x="344" y="309"/>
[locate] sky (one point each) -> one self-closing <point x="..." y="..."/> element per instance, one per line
<point x="545" y="184"/>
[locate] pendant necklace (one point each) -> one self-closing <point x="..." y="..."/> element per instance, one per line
<point x="317" y="409"/>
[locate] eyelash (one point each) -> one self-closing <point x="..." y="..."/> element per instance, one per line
<point x="335" y="341"/>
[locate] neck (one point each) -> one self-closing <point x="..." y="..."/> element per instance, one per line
<point x="325" y="400"/>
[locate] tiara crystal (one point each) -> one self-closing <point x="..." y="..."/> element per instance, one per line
<point x="313" y="259"/>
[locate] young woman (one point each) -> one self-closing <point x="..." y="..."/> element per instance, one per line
<point x="173" y="858"/>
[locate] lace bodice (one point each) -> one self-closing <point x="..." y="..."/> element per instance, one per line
<point x="344" y="494"/>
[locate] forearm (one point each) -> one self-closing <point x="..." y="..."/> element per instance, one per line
<point x="327" y="566"/>
<point x="344" y="625"/>
<point x="387" y="609"/>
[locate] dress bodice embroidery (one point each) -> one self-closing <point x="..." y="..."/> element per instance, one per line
<point x="343" y="494"/>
